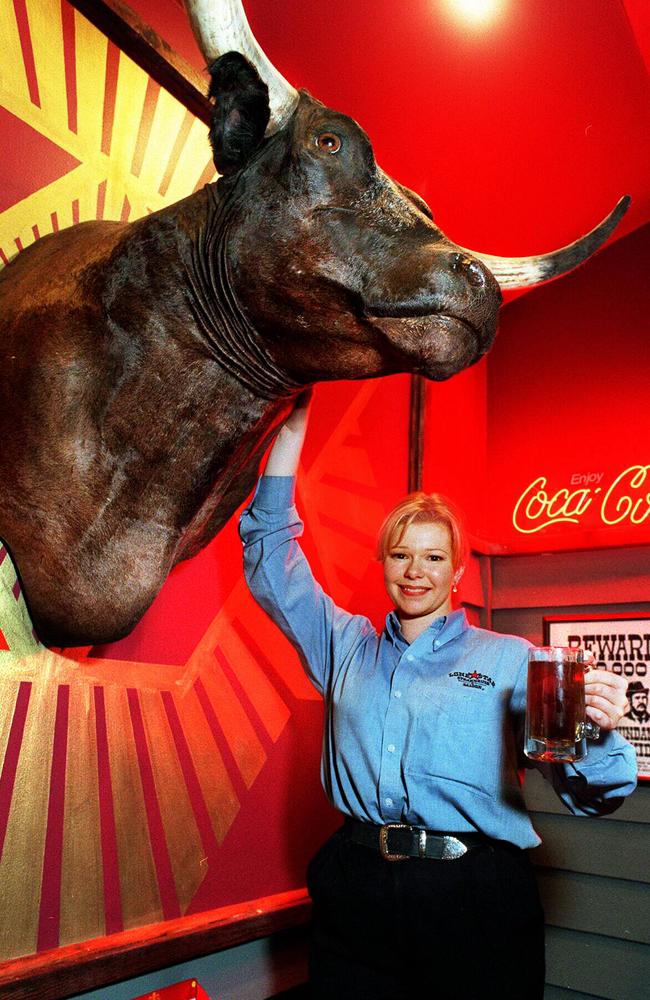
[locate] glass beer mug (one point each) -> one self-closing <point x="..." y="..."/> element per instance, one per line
<point x="556" y="725"/>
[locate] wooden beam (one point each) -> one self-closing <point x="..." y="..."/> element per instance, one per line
<point x="65" y="972"/>
<point x="151" y="52"/>
<point x="416" y="432"/>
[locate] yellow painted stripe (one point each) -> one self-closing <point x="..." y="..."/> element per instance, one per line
<point x="138" y="884"/>
<point x="46" y="32"/>
<point x="91" y="46"/>
<point x="240" y="736"/>
<point x="268" y="704"/>
<point x="218" y="792"/>
<point x="15" y="622"/>
<point x="129" y="100"/>
<point x="13" y="79"/>
<point x="181" y="833"/>
<point x="191" y="162"/>
<point x="21" y="867"/>
<point x="82" y="890"/>
<point x="9" y="686"/>
<point x="165" y="127"/>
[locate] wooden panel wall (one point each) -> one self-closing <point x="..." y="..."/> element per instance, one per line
<point x="594" y="874"/>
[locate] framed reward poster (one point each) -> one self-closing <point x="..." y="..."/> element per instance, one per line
<point x="620" y="644"/>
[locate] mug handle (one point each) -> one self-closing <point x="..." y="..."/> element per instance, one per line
<point x="592" y="729"/>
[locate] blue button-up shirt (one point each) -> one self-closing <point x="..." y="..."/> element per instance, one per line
<point x="428" y="733"/>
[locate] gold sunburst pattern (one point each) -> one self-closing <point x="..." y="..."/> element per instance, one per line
<point x="136" y="148"/>
<point x="121" y="777"/>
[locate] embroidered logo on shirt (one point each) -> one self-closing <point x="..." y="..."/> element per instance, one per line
<point x="473" y="680"/>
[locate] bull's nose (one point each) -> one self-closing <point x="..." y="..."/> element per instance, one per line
<point x="472" y="269"/>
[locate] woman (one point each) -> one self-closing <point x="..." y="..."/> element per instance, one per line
<point x="420" y="754"/>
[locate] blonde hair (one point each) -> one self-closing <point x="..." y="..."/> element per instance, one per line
<point x="424" y="508"/>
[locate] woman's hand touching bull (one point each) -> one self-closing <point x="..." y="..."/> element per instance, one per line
<point x="285" y="453"/>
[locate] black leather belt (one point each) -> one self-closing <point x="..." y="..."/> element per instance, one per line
<point x="399" y="841"/>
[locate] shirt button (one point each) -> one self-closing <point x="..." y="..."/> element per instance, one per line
<point x="388" y="802"/>
<point x="398" y="694"/>
<point x="410" y="657"/>
<point x="436" y="644"/>
<point x="391" y="748"/>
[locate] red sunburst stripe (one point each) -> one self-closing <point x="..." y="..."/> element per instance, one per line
<point x="206" y="176"/>
<point x="70" y="61"/>
<point x="126" y="210"/>
<point x="242" y="696"/>
<point x="144" y="129"/>
<point x="166" y="886"/>
<point x="19" y="244"/>
<point x="101" y="199"/>
<point x="177" y="149"/>
<point x="3" y="642"/>
<point x="3" y="256"/>
<point x="22" y="21"/>
<point x="75" y="212"/>
<point x="347" y="530"/>
<point x="266" y="664"/>
<point x="238" y="783"/>
<point x="108" y="831"/>
<point x="199" y="808"/>
<point x="12" y="755"/>
<point x="36" y="232"/>
<point x="54" y="219"/>
<point x="50" y="909"/>
<point x="110" y="92"/>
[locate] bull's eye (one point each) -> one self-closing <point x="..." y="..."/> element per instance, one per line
<point x="329" y="142"/>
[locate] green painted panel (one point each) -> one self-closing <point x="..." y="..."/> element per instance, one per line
<point x="557" y="993"/>
<point x="616" y="850"/>
<point x="540" y="797"/>
<point x="613" y="907"/>
<point x="600" y="966"/>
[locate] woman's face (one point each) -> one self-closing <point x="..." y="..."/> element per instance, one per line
<point x="418" y="572"/>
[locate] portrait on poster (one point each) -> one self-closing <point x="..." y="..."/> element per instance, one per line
<point x="620" y="644"/>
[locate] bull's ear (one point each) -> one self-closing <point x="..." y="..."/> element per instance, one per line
<point x="240" y="113"/>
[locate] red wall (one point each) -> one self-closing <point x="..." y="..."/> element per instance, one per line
<point x="568" y="383"/>
<point x="510" y="134"/>
<point x="178" y="770"/>
<point x="521" y="133"/>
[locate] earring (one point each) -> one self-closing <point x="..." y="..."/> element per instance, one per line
<point x="455" y="589"/>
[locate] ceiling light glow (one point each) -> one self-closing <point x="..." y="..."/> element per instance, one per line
<point x="477" y="11"/>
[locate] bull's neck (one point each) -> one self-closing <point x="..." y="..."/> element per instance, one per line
<point x="232" y="338"/>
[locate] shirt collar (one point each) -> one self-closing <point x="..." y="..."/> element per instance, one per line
<point x="442" y="630"/>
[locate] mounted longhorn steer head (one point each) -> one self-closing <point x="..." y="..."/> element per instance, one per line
<point x="145" y="366"/>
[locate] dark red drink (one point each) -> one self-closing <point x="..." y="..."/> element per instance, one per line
<point x="555" y="713"/>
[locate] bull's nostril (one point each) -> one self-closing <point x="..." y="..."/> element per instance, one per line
<point x="475" y="273"/>
<point x="470" y="268"/>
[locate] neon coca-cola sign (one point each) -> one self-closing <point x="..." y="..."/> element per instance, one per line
<point x="626" y="501"/>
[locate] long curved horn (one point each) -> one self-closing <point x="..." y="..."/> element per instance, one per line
<point x="521" y="272"/>
<point x="221" y="26"/>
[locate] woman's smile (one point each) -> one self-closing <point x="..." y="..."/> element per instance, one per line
<point x="419" y="572"/>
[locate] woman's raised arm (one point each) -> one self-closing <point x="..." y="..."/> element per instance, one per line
<point x="285" y="453"/>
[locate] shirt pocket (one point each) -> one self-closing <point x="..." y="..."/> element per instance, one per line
<point x="460" y="741"/>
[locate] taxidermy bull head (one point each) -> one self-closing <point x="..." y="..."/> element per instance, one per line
<point x="145" y="366"/>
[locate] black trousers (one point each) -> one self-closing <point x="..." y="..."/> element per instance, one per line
<point x="469" y="929"/>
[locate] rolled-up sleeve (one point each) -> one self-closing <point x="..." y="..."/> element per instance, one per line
<point x="281" y="581"/>
<point x="594" y="786"/>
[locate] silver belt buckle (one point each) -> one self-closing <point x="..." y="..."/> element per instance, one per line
<point x="452" y="848"/>
<point x="383" y="841"/>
